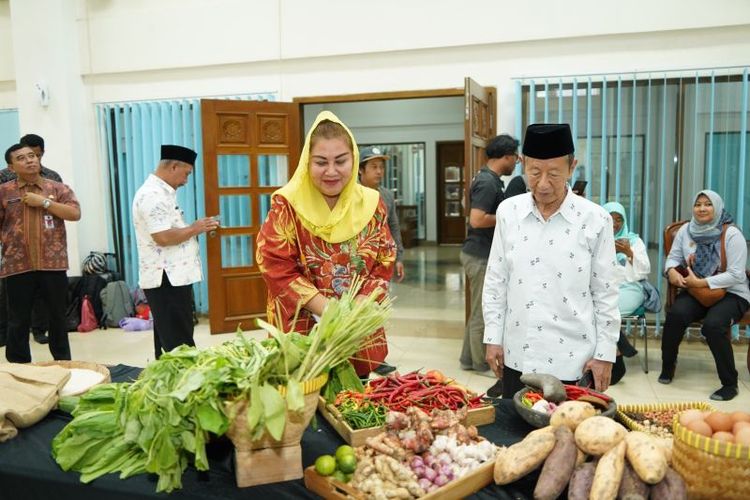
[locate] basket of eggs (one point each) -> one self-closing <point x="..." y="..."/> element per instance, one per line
<point x="712" y="453"/>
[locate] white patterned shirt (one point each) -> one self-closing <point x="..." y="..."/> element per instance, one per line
<point x="155" y="209"/>
<point x="549" y="297"/>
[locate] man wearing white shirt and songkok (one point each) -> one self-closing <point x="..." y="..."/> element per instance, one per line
<point x="549" y="305"/>
<point x="168" y="259"/>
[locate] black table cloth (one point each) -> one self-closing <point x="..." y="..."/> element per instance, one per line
<point x="28" y="471"/>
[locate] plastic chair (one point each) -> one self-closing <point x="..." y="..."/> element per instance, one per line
<point x="639" y="316"/>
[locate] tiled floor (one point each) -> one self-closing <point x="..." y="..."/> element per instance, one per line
<point x="426" y="331"/>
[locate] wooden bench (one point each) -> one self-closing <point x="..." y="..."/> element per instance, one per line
<point x="669" y="234"/>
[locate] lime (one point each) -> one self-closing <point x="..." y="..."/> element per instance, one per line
<point x="347" y="463"/>
<point x="340" y="476"/>
<point x="325" y="465"/>
<point x="342" y="450"/>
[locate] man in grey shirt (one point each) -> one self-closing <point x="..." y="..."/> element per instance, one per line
<point x="371" y="173"/>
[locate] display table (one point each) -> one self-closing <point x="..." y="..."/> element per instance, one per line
<point x="28" y="471"/>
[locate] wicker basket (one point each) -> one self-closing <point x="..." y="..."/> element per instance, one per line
<point x="711" y="469"/>
<point x="84" y="365"/>
<point x="656" y="407"/>
<point x="267" y="460"/>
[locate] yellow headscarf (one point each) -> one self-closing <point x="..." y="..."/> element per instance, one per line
<point x="354" y="208"/>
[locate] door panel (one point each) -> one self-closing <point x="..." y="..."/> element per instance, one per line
<point x="451" y="218"/>
<point x="480" y="125"/>
<point x="250" y="150"/>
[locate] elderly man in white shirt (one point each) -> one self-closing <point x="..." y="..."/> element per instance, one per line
<point x="168" y="258"/>
<point x="549" y="302"/>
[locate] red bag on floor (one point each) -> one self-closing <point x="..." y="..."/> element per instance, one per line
<point x="88" y="317"/>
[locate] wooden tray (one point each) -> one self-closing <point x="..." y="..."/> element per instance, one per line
<point x="478" y="416"/>
<point x="329" y="488"/>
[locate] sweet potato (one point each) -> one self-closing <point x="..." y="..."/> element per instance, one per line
<point x="631" y="486"/>
<point x="572" y="413"/>
<point x="646" y="456"/>
<point x="608" y="474"/>
<point x="672" y="487"/>
<point x="518" y="460"/>
<point x="551" y="387"/>
<point x="580" y="482"/>
<point x="558" y="467"/>
<point x="597" y="435"/>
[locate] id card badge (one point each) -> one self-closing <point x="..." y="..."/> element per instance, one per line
<point x="49" y="222"/>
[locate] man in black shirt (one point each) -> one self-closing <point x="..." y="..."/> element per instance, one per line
<point x="485" y="195"/>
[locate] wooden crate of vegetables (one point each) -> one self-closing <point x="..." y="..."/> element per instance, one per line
<point x="357" y="416"/>
<point x="417" y="455"/>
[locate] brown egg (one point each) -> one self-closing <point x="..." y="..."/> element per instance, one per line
<point x="726" y="437"/>
<point x="688" y="416"/>
<point x="743" y="436"/>
<point x="739" y="425"/>
<point x="720" y="421"/>
<point x="740" y="416"/>
<point x="700" y="427"/>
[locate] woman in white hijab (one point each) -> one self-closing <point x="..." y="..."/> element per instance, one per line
<point x="707" y="260"/>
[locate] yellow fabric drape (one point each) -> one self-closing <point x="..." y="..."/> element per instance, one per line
<point x="353" y="210"/>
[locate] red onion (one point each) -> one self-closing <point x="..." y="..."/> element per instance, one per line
<point x="440" y="480"/>
<point x="417" y="461"/>
<point x="429" y="473"/>
<point x="419" y="471"/>
<point x="425" y="484"/>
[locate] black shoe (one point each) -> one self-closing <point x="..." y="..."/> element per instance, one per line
<point x="496" y="391"/>
<point x="726" y="393"/>
<point x="625" y="347"/>
<point x="384" y="369"/>
<point x="41" y="338"/>
<point x="666" y="376"/>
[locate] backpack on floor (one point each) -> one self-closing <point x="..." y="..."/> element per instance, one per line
<point x="116" y="304"/>
<point x="88" y="284"/>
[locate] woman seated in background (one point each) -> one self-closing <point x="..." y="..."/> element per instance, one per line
<point x="324" y="229"/>
<point x="695" y="265"/>
<point x="633" y="267"/>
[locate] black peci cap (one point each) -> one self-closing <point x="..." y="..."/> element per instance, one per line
<point x="179" y="153"/>
<point x="548" y="140"/>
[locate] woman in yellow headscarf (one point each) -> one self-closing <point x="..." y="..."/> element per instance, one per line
<point x="323" y="229"/>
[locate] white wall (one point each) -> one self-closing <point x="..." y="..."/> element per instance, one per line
<point x="142" y="49"/>
<point x="409" y="120"/>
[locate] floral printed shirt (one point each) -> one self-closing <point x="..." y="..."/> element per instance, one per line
<point x="296" y="265"/>
<point x="154" y="210"/>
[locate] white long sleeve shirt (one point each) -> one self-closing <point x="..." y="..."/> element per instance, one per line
<point x="636" y="270"/>
<point x="549" y="294"/>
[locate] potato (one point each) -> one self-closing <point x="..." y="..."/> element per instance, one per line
<point x="551" y="387"/>
<point x="631" y="486"/>
<point x="608" y="474"/>
<point x="572" y="413"/>
<point x="518" y="460"/>
<point x="597" y="435"/>
<point x="646" y="455"/>
<point x="666" y="446"/>
<point x="580" y="482"/>
<point x="580" y="456"/>
<point x="558" y="467"/>
<point x="672" y="487"/>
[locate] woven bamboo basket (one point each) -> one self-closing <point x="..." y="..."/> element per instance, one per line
<point x="633" y="425"/>
<point x="711" y="468"/>
<point x="267" y="460"/>
<point x="84" y="365"/>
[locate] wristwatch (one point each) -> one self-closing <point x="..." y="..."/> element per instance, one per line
<point x="46" y="204"/>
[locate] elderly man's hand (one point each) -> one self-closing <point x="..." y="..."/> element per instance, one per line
<point x="602" y="372"/>
<point x="494" y="358"/>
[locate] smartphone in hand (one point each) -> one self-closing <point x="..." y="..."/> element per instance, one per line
<point x="579" y="187"/>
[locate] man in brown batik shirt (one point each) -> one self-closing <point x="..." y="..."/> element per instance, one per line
<point x="34" y="251"/>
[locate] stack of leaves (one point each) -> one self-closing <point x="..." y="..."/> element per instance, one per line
<point x="161" y="422"/>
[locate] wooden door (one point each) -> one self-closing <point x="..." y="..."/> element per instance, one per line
<point x="450" y="192"/>
<point x="250" y="149"/>
<point x="480" y="125"/>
